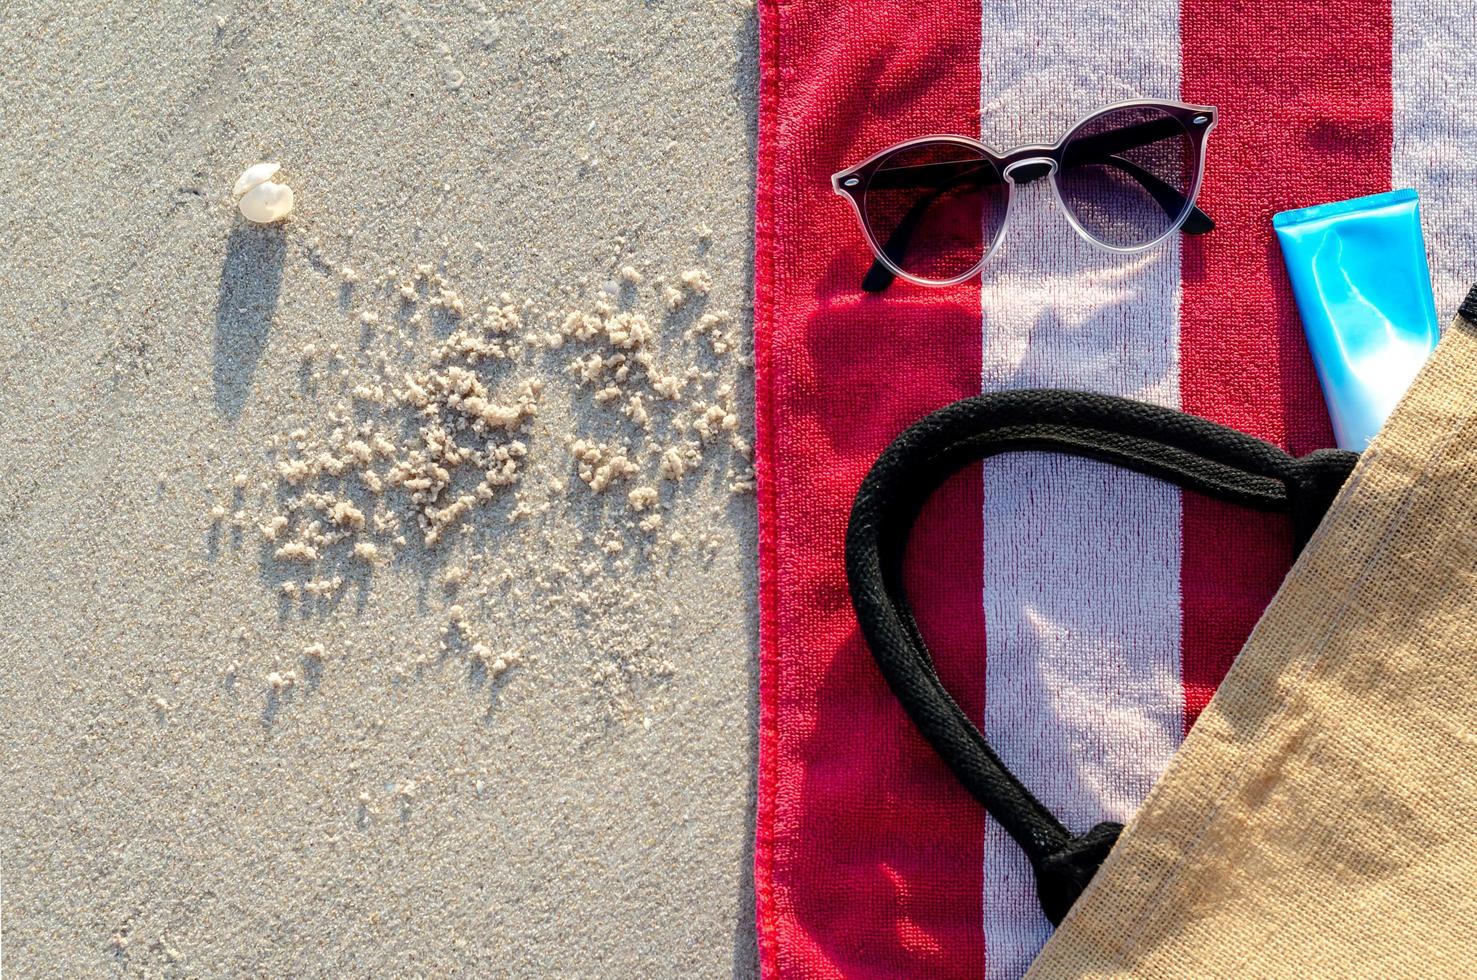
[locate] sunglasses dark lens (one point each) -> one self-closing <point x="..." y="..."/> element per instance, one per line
<point x="934" y="208"/>
<point x="1127" y="174"/>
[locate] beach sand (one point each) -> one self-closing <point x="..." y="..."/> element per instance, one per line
<point x="265" y="717"/>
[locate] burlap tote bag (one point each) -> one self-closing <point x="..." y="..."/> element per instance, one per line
<point x="1319" y="819"/>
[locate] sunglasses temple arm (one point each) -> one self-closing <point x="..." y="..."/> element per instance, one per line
<point x="1104" y="148"/>
<point x="1197" y="222"/>
<point x="879" y="276"/>
<point x="1114" y="141"/>
<point x="937" y="176"/>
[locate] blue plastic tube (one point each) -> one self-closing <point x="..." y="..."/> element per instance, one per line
<point x="1363" y="289"/>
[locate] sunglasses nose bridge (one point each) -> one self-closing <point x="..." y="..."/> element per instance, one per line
<point x="1024" y="169"/>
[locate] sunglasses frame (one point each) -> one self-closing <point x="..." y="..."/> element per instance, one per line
<point x="852" y="183"/>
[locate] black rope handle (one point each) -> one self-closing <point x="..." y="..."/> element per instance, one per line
<point x="1182" y="449"/>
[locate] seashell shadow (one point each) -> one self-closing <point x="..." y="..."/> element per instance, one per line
<point x="246" y="301"/>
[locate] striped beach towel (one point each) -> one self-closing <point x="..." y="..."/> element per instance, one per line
<point x="1082" y="614"/>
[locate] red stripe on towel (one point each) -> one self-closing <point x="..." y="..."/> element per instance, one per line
<point x="1305" y="107"/>
<point x="868" y="853"/>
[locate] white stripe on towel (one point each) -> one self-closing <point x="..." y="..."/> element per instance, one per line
<point x="1082" y="561"/>
<point x="1433" y="63"/>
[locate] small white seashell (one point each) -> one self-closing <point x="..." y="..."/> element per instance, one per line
<point x="257" y="173"/>
<point x="267" y="202"/>
<point x="263" y="200"/>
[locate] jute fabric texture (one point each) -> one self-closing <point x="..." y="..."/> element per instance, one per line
<point x="1318" y="819"/>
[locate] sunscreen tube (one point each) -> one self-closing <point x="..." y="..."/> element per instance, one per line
<point x="1363" y="290"/>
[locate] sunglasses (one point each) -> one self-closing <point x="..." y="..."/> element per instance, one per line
<point x="934" y="209"/>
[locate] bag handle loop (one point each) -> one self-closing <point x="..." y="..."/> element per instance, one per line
<point x="1183" y="449"/>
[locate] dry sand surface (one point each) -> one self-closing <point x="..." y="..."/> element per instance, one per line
<point x="378" y="588"/>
